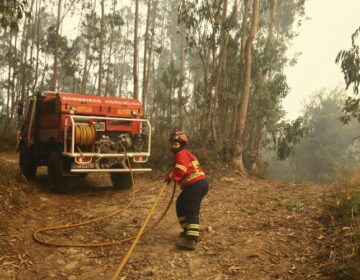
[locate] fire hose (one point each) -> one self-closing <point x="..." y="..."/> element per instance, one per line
<point x="135" y="238"/>
<point x="85" y="134"/>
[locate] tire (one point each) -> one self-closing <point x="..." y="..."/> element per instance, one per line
<point x="121" y="180"/>
<point x="57" y="181"/>
<point x="26" y="162"/>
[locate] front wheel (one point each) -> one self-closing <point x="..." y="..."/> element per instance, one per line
<point x="26" y="162"/>
<point x="57" y="181"/>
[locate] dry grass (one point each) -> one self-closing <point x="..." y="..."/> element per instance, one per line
<point x="6" y="172"/>
<point x="344" y="210"/>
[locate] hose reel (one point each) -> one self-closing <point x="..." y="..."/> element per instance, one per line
<point x="85" y="134"/>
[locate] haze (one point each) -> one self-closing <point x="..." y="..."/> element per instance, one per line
<point x="320" y="38"/>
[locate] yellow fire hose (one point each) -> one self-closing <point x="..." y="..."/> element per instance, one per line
<point x="131" y="249"/>
<point x="101" y="244"/>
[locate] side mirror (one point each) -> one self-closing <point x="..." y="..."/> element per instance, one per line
<point x="20" y="109"/>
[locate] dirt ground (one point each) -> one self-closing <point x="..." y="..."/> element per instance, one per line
<point x="251" y="229"/>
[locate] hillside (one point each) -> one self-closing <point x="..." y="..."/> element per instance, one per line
<point x="252" y="229"/>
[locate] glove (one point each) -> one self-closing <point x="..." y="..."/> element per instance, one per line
<point x="168" y="178"/>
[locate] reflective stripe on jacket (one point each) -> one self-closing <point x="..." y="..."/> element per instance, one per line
<point x="186" y="168"/>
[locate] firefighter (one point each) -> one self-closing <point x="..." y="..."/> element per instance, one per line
<point x="194" y="186"/>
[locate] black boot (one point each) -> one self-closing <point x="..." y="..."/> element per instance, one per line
<point x="186" y="244"/>
<point x="182" y="235"/>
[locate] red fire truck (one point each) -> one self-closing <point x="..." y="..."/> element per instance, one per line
<point x="76" y="134"/>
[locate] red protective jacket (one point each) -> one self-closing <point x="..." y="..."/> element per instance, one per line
<point x="186" y="169"/>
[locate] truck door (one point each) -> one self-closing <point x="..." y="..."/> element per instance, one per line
<point x="27" y="130"/>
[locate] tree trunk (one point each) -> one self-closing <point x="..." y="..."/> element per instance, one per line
<point x="109" y="58"/>
<point x="108" y="66"/>
<point x="235" y="111"/>
<point x="146" y="43"/>
<point x="84" y="76"/>
<point x="221" y="70"/>
<point x="37" y="47"/>
<point x="101" y="49"/>
<point x="24" y="52"/>
<point x="254" y="145"/>
<point x="13" y="93"/>
<point x="150" y="54"/>
<point x="207" y="99"/>
<point x="56" y="48"/>
<point x="182" y="75"/>
<point x="255" y="134"/>
<point x="239" y="146"/>
<point x="122" y="73"/>
<point x="228" y="149"/>
<point x="136" y="52"/>
<point x="9" y="54"/>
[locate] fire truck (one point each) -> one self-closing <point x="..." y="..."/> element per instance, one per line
<point x="77" y="134"/>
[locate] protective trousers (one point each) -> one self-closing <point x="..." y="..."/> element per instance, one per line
<point x="188" y="207"/>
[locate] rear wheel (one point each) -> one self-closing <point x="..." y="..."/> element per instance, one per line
<point x="26" y="162"/>
<point x="57" y="181"/>
<point x="121" y="180"/>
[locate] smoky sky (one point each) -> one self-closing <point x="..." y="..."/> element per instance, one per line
<point x="321" y="37"/>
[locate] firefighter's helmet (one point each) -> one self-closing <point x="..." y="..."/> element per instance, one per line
<point x="178" y="136"/>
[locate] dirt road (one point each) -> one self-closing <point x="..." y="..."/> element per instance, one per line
<point x="251" y="229"/>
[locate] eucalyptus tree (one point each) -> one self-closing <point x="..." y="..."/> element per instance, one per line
<point x="259" y="92"/>
<point x="89" y="32"/>
<point x="164" y="55"/>
<point x="114" y="22"/>
<point x="59" y="19"/>
<point x="269" y="82"/>
<point x="240" y="135"/>
<point x="41" y="20"/>
<point x="68" y="52"/>
<point x="27" y="40"/>
<point x="243" y="80"/>
<point x="148" y="48"/>
<point x="241" y="63"/>
<point x="205" y="32"/>
<point x="123" y="58"/>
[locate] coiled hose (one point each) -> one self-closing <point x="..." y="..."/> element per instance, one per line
<point x="85" y="134"/>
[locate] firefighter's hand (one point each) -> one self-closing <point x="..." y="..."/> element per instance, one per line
<point x="168" y="178"/>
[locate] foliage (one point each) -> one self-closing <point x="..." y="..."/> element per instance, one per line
<point x="328" y="148"/>
<point x="350" y="66"/>
<point x="11" y="12"/>
<point x="265" y="124"/>
<point x="350" y="63"/>
<point x="171" y="77"/>
<point x="288" y="136"/>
